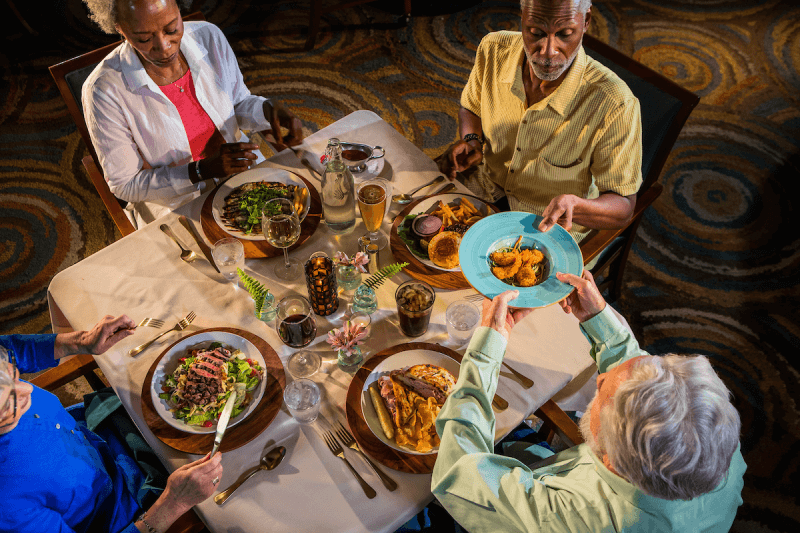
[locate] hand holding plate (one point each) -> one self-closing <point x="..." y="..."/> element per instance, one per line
<point x="498" y="316"/>
<point x="585" y="301"/>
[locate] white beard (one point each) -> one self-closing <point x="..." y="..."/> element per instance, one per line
<point x="561" y="67"/>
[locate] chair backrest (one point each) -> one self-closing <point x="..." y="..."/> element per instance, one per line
<point x="70" y="76"/>
<point x="665" y="105"/>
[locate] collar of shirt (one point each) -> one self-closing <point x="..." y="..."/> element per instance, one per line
<point x="136" y="76"/>
<point x="559" y="100"/>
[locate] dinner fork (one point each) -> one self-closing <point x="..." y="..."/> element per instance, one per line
<point x="347" y="439"/>
<point x="474" y="297"/>
<point x="336" y="449"/>
<point x="183" y="324"/>
<point x="150" y="322"/>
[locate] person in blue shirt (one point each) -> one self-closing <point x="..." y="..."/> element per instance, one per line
<point x="60" y="476"/>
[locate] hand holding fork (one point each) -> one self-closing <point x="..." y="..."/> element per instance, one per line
<point x="183" y="324"/>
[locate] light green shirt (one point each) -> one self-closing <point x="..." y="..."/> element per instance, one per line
<point x="575" y="492"/>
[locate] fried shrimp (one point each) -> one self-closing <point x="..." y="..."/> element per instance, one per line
<point x="531" y="257"/>
<point x="505" y="272"/>
<point x="504" y="259"/>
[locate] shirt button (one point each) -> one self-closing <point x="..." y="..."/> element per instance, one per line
<point x="58" y="426"/>
<point x="512" y="171"/>
<point x="519" y="149"/>
<point x="524" y="121"/>
<point x="35" y="416"/>
<point x="72" y="431"/>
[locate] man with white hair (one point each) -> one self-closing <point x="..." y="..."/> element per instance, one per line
<point x="549" y="127"/>
<point x="662" y="439"/>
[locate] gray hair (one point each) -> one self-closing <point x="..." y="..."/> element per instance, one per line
<point x="672" y="429"/>
<point x="104" y="12"/>
<point x="583" y="5"/>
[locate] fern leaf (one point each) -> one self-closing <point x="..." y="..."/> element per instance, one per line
<point x="255" y="288"/>
<point x="377" y="279"/>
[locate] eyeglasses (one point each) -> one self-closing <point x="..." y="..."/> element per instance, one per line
<point x="10" y="405"/>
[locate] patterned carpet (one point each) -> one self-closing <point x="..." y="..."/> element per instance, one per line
<point x="714" y="268"/>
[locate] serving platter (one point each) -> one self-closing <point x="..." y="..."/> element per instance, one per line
<point x="391" y="457"/>
<point x="170" y="361"/>
<point x="395" y="362"/>
<point x="423" y="269"/>
<point x="255" y="246"/>
<point x="247" y="429"/>
<point x="502" y="230"/>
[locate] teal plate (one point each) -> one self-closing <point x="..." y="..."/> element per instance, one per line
<point x="501" y="230"/>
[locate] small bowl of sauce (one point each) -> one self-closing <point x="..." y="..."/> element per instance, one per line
<point x="426" y="226"/>
<point x="357" y="155"/>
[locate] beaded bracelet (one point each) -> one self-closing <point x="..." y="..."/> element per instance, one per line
<point x="473" y="137"/>
<point x="150" y="529"/>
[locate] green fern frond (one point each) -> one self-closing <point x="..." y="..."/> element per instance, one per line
<point x="255" y="288"/>
<point x="377" y="279"/>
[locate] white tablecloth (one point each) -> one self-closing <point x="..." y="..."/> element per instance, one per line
<point x="141" y="275"/>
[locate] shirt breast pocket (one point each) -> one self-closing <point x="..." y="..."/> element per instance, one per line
<point x="571" y="177"/>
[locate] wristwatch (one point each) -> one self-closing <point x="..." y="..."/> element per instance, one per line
<point x="473" y="137"/>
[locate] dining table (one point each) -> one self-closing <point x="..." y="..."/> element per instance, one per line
<point x="141" y="275"/>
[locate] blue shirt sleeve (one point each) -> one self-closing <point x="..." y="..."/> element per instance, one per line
<point x="33" y="352"/>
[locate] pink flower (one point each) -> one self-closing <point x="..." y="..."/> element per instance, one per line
<point x="347" y="337"/>
<point x="359" y="260"/>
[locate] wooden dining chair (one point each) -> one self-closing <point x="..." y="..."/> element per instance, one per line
<point x="665" y="108"/>
<point x="317" y="11"/>
<point x="69" y="77"/>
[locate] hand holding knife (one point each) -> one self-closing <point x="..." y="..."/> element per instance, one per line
<point x="199" y="240"/>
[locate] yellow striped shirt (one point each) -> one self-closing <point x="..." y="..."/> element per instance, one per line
<point x="583" y="139"/>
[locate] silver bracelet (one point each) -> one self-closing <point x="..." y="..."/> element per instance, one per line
<point x="150" y="529"/>
<point x="197" y="170"/>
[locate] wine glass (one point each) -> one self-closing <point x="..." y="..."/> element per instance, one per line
<point x="295" y="322"/>
<point x="303" y="363"/>
<point x="372" y="204"/>
<point x="281" y="228"/>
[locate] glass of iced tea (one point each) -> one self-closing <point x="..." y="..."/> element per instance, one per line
<point x="372" y="196"/>
<point x="414" y="305"/>
<point x="295" y="321"/>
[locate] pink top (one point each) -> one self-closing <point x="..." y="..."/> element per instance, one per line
<point x="198" y="125"/>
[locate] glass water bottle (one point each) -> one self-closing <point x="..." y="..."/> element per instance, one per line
<point x="338" y="191"/>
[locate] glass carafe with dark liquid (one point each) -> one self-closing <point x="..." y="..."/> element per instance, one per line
<point x="338" y="191"/>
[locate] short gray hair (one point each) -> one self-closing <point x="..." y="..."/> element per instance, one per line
<point x="671" y="430"/>
<point x="583" y="5"/>
<point x="104" y="12"/>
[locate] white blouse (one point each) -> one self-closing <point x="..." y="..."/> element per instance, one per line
<point x="133" y="124"/>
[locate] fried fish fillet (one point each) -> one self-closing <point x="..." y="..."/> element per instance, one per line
<point x="443" y="249"/>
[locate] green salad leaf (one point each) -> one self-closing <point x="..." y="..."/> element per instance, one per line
<point x="253" y="202"/>
<point x="411" y="240"/>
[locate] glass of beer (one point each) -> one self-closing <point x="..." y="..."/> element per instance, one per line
<point x="372" y="196"/>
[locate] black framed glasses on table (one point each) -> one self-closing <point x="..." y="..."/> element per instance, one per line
<point x="8" y="381"/>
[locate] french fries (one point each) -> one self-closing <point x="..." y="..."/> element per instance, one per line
<point x="464" y="213"/>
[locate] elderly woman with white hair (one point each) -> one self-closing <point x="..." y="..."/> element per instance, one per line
<point x="74" y="471"/>
<point x="166" y="108"/>
<point x="662" y="439"/>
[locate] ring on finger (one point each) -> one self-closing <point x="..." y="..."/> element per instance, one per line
<point x="215" y="481"/>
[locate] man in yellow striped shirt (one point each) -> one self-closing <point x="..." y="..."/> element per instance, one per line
<point x="548" y="126"/>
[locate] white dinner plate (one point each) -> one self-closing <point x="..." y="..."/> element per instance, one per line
<point x="395" y="362"/>
<point x="170" y="362"/>
<point x="429" y="205"/>
<point x="254" y="174"/>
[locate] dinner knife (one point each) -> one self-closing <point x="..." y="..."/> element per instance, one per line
<point x="223" y="422"/>
<point x="200" y="242"/>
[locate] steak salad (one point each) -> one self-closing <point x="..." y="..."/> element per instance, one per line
<point x="199" y="388"/>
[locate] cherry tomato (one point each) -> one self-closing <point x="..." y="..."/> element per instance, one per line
<point x="182" y="359"/>
<point x="208" y="424"/>
<point x="253" y="374"/>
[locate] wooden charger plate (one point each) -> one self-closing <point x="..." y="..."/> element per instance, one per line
<point x="261" y="248"/>
<point x="237" y="435"/>
<point x="440" y="279"/>
<point x="372" y="445"/>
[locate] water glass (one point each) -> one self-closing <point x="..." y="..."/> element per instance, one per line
<point x="462" y="318"/>
<point x="228" y="254"/>
<point x="302" y="397"/>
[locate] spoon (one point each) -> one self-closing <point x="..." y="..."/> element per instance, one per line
<point x="268" y="462"/>
<point x="186" y="255"/>
<point x="406" y="198"/>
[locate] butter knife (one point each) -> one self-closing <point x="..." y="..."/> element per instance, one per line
<point x="223" y="422"/>
<point x="199" y="240"/>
